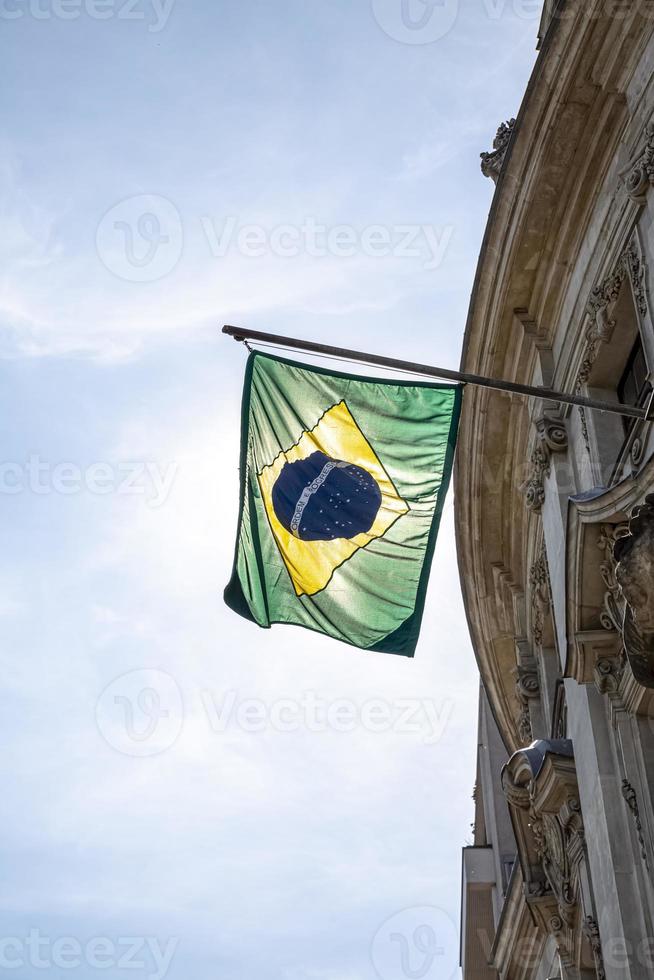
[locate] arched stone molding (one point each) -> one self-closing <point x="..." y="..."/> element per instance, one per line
<point x="540" y="784"/>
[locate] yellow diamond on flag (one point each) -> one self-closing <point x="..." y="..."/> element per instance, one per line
<point x="326" y="497"/>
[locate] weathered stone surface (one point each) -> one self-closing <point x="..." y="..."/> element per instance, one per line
<point x="556" y="535"/>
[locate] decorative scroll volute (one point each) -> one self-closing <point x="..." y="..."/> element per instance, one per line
<point x="612" y="614"/>
<point x="551" y="437"/>
<point x="640" y="175"/>
<point x="527" y="690"/>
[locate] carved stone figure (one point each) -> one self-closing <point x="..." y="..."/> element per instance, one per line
<point x="491" y="163"/>
<point x="634" y="555"/>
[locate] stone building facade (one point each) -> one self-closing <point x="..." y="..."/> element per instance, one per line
<point x="555" y="517"/>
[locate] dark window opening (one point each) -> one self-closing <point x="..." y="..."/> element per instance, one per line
<point x="633" y="387"/>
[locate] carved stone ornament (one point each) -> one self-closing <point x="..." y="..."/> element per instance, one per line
<point x="527" y="689"/>
<point x="599" y="312"/>
<point x="612" y="614"/>
<point x="608" y="674"/>
<point x="551" y="437"/>
<point x="640" y="175"/>
<point x="634" y="573"/>
<point x="592" y="933"/>
<point x="491" y="163"/>
<point x="631" y="799"/>
<point x="540" y="785"/>
<point x="541" y="596"/>
<point x="637" y="450"/>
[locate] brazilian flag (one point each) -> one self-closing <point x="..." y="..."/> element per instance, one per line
<point x="342" y="486"/>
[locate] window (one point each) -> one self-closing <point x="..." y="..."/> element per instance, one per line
<point x="633" y="387"/>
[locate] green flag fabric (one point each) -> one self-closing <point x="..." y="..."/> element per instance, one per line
<point x="343" y="481"/>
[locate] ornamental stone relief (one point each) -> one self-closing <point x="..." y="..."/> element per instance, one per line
<point x="551" y="834"/>
<point x="608" y="673"/>
<point x="631" y="799"/>
<point x="612" y="614"/>
<point x="592" y="933"/>
<point x="551" y="437"/>
<point x="491" y="163"/>
<point x="627" y="571"/>
<point x="634" y="573"/>
<point x="527" y="690"/>
<point x="540" y="784"/>
<point x="541" y="596"/>
<point x="640" y="175"/>
<point x="599" y="311"/>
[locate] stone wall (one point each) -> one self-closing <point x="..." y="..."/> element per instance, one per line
<point x="555" y="514"/>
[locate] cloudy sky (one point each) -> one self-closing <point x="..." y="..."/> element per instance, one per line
<point x="183" y="794"/>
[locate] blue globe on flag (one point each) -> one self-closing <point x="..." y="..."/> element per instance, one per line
<point x="321" y="499"/>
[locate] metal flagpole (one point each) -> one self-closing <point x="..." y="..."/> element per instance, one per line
<point x="548" y="394"/>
